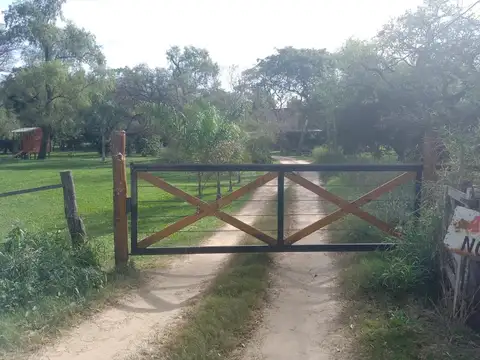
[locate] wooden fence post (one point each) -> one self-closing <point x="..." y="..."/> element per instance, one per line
<point x="120" y="231"/>
<point x="429" y="156"/>
<point x="74" y="222"/>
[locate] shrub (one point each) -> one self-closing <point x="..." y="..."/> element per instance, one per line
<point x="150" y="146"/>
<point x="259" y="150"/>
<point x="170" y="155"/>
<point x="205" y="136"/>
<point x="327" y="155"/>
<point x="38" y="266"/>
<point x="412" y="266"/>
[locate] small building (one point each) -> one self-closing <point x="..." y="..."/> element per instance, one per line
<point x="289" y="140"/>
<point x="28" y="142"/>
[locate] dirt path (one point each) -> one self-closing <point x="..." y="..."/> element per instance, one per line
<point x="301" y="320"/>
<point x="121" y="331"/>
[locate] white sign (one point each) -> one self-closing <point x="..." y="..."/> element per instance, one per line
<point x="463" y="234"/>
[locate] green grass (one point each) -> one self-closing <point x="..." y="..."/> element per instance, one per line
<point x="411" y="330"/>
<point x="393" y="295"/>
<point x="42" y="213"/>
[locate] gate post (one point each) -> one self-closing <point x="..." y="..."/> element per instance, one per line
<point x="280" y="208"/>
<point x="120" y="222"/>
<point x="418" y="194"/>
<point x="429" y="156"/>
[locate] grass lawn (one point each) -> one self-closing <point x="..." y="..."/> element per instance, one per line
<point x="43" y="211"/>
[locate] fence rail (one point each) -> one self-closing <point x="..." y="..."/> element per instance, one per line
<point x="276" y="167"/>
<point x="74" y="222"/>
<point x="32" y="190"/>
<point x="159" y="176"/>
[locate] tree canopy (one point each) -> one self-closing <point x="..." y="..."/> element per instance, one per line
<point x="420" y="72"/>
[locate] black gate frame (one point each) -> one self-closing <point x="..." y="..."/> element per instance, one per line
<point x="283" y="170"/>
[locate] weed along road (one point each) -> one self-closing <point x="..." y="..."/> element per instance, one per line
<point x="300" y="321"/>
<point x="127" y="328"/>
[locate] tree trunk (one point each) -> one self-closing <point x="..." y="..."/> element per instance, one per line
<point x="44" y="144"/>
<point x="103" y="148"/>
<point x="302" y="136"/>
<point x="335" y="135"/>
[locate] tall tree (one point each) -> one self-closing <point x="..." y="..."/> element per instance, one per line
<point x="293" y="75"/>
<point x="194" y="73"/>
<point x="103" y="115"/>
<point x="32" y="26"/>
<point x="140" y="86"/>
<point x="49" y="96"/>
<point x="420" y="72"/>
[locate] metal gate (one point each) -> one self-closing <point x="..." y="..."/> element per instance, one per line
<point x="200" y="209"/>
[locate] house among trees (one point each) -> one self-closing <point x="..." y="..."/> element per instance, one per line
<point x="291" y="133"/>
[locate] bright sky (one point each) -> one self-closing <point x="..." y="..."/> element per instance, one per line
<point x="236" y="32"/>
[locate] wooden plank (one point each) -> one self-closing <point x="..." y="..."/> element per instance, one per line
<point x="340" y="213"/>
<point x="207" y="209"/>
<point x="460" y="196"/>
<point x="188" y="220"/>
<point x="120" y="231"/>
<point x="162" y="184"/>
<point x="171" y="229"/>
<point x="26" y="191"/>
<point x="258" y="182"/>
<point x="342" y="203"/>
<point x="430" y="155"/>
<point x="240" y="225"/>
<point x="76" y="228"/>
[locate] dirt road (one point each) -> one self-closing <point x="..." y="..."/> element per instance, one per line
<point x="301" y="321"/>
<point x="123" y="330"/>
<point x="300" y="324"/>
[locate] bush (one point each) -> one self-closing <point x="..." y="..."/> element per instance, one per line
<point x="38" y="266"/>
<point x="259" y="150"/>
<point x="412" y="266"/>
<point x="326" y="155"/>
<point x="205" y="136"/>
<point x="172" y="156"/>
<point x="150" y="146"/>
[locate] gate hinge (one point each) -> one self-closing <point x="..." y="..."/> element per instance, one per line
<point x="129" y="205"/>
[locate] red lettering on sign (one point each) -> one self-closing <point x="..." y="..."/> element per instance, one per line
<point x="474" y="226"/>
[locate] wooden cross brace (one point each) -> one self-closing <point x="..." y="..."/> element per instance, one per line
<point x="345" y="206"/>
<point x="207" y="209"/>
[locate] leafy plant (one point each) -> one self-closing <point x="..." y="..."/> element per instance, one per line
<point x="37" y="266"/>
<point x="150" y="145"/>
<point x="259" y="149"/>
<point x="202" y="135"/>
